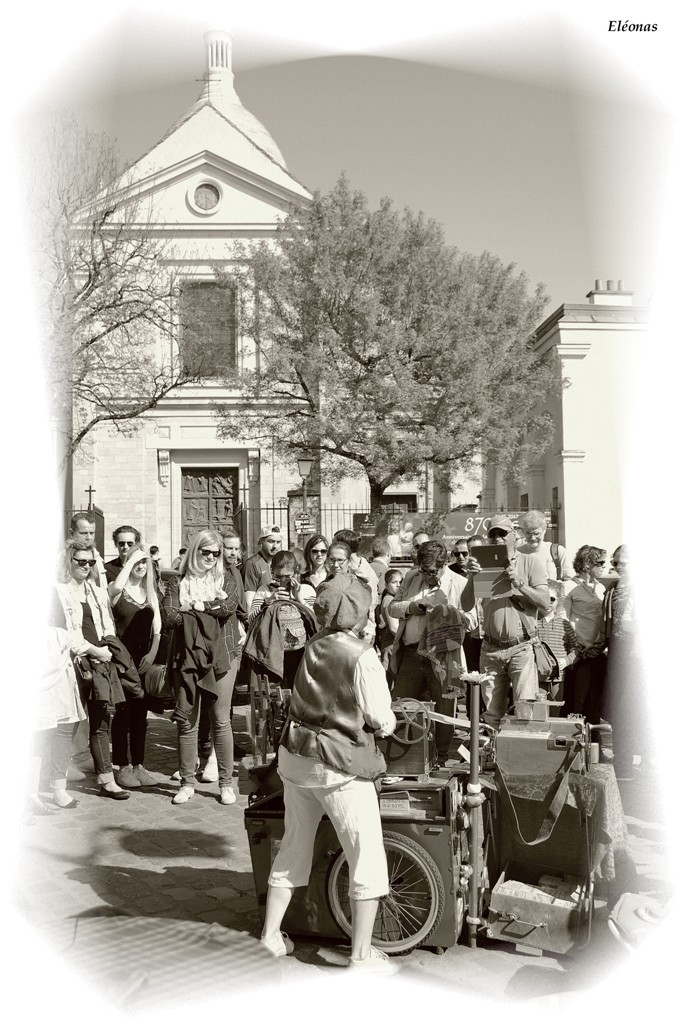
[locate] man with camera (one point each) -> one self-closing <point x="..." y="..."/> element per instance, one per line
<point x="518" y="593"/>
<point x="429" y="605"/>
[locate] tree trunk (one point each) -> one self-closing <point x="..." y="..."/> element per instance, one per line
<point x="376" y="494"/>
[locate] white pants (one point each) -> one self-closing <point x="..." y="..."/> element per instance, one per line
<point x="353" y="809"/>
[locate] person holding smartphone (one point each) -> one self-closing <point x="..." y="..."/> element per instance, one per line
<point x="285" y="590"/>
<point x="518" y="594"/>
<point x="429" y="598"/>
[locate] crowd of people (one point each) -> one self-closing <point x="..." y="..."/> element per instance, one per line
<point x="323" y="620"/>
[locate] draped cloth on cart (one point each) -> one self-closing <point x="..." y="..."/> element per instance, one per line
<point x="145" y="965"/>
<point x="590" y="836"/>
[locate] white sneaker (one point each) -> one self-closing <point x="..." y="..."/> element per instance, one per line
<point x="184" y="794"/>
<point x="227" y="795"/>
<point x="281" y="945"/>
<point x="376" y="962"/>
<point x="210" y="771"/>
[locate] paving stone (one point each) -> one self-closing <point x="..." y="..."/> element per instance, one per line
<point x="220" y="893"/>
<point x="197" y="904"/>
<point x="178" y="894"/>
<point x="151" y="904"/>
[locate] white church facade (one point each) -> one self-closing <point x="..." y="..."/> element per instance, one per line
<point x="216" y="178"/>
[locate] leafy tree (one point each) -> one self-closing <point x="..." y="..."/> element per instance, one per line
<point x="381" y="347"/>
<point x="109" y="301"/>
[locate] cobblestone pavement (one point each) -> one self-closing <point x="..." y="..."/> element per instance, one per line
<point x="148" y="859"/>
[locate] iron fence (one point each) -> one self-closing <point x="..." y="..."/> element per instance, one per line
<point x="296" y="526"/>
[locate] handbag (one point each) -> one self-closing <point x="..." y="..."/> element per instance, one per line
<point x="83" y="668"/>
<point x="547" y="665"/>
<point x="156" y="682"/>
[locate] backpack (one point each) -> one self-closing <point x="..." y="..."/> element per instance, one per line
<point x="555" y="555"/>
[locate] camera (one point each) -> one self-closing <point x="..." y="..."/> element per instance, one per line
<point x="281" y="583"/>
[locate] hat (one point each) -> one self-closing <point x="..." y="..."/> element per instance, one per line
<point x="500" y="523"/>
<point x="342" y="601"/>
<point x="268" y="531"/>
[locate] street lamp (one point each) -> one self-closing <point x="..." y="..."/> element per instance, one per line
<point x="305" y="467"/>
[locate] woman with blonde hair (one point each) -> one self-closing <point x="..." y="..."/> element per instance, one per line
<point x="199" y="608"/>
<point x="103" y="666"/>
<point x="135" y="605"/>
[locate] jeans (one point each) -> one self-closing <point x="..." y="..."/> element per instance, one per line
<point x="583" y="688"/>
<point x="99" y="717"/>
<point x="416" y="678"/>
<point x="54" y="748"/>
<point x="511" y="666"/>
<point x="129" y="724"/>
<point x="80" y="745"/>
<point x="218" y="710"/>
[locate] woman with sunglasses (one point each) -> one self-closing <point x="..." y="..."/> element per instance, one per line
<point x="315" y="554"/>
<point x="134" y="600"/>
<point x="199" y="608"/>
<point x="581" y="605"/>
<point x="92" y="638"/>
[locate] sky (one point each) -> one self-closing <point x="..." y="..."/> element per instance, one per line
<point x="525" y="128"/>
<point x="527" y="136"/>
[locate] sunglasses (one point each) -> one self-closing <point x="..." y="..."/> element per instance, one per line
<point x="125" y="543"/>
<point x="208" y="553"/>
<point x="318" y="551"/>
<point x="599" y="563"/>
<point x="85" y="561"/>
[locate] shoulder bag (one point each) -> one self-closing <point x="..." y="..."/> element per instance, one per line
<point x="547" y="665"/>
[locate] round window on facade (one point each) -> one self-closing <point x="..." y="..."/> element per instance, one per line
<point x="206" y="196"/>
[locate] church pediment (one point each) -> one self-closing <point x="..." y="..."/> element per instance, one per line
<point x="216" y="169"/>
<point x="203" y="192"/>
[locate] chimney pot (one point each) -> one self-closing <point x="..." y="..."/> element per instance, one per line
<point x="611" y="286"/>
<point x="599" y="284"/>
<point x="620" y="286"/>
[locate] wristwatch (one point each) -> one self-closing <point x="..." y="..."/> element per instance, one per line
<point x="519" y="584"/>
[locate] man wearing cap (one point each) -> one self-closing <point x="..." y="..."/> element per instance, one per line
<point x="509" y="621"/>
<point x="329" y="761"/>
<point x="256" y="569"/>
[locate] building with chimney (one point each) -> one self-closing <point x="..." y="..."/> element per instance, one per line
<point x="595" y="346"/>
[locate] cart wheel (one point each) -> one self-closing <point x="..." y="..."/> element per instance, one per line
<point x="413" y="907"/>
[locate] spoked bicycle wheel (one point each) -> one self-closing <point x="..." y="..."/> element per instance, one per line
<point x="411" y="910"/>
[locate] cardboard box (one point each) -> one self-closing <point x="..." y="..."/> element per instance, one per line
<point x="539" y="748"/>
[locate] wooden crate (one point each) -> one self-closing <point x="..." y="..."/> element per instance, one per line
<point x="527" y="922"/>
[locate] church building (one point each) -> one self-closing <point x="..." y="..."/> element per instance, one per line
<point x="215" y="179"/>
